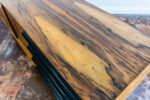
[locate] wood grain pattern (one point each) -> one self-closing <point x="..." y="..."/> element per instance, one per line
<point x="96" y="53"/>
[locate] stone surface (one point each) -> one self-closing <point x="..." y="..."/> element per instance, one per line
<point x="141" y="22"/>
<point x="142" y="92"/>
<point x="19" y="80"/>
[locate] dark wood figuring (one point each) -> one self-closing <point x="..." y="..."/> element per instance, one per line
<point x="96" y="53"/>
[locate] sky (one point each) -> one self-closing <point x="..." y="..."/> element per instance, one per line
<point x="123" y="6"/>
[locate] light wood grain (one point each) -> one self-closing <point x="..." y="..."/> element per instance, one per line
<point x="95" y="52"/>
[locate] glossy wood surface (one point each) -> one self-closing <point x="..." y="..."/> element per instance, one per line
<point x="95" y="52"/>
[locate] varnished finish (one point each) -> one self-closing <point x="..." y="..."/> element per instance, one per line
<point x="96" y="53"/>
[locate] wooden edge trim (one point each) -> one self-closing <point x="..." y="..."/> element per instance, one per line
<point x="131" y="87"/>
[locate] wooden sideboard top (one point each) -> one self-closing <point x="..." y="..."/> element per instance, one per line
<point x="95" y="52"/>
